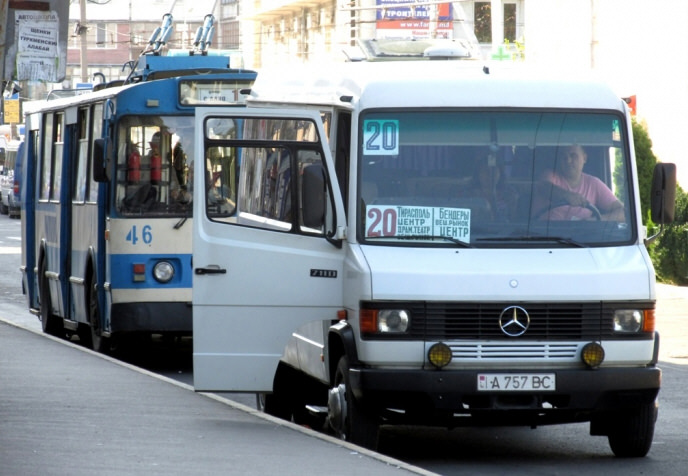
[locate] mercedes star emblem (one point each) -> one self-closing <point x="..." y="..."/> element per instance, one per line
<point x="514" y="321"/>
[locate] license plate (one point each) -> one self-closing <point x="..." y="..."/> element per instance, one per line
<point x="516" y="382"/>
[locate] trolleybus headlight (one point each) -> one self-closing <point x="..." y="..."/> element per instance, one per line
<point x="592" y="354"/>
<point x="628" y="320"/>
<point x="163" y="272"/>
<point x="439" y="355"/>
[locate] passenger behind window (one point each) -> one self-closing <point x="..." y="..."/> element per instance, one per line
<point x="179" y="163"/>
<point x="219" y="200"/>
<point x="488" y="184"/>
<point x="178" y="192"/>
<point x="155" y="159"/>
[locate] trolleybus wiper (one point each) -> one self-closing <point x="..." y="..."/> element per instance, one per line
<point x="180" y="223"/>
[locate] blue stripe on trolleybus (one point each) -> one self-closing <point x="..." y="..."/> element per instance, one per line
<point x="123" y="273"/>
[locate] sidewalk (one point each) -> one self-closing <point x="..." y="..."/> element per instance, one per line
<point x="672" y="323"/>
<point x="65" y="410"/>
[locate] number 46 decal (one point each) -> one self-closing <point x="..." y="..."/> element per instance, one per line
<point x="381" y="137"/>
<point x="146" y="235"/>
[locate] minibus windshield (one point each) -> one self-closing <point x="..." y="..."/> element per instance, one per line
<point x="494" y="178"/>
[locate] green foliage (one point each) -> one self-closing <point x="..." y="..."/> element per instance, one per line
<point x="517" y="49"/>
<point x="645" y="160"/>
<point x="669" y="253"/>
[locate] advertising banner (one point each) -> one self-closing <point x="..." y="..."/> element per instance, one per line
<point x="37" y="36"/>
<point x="417" y="20"/>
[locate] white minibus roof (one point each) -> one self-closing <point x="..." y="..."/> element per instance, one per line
<point x="431" y="84"/>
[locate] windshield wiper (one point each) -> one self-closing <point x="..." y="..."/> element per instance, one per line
<point x="456" y="241"/>
<point x="551" y="239"/>
<point x="180" y="223"/>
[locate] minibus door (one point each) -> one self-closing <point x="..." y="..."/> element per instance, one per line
<point x="255" y="284"/>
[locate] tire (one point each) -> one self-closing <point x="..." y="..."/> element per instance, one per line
<point x="49" y="322"/>
<point x="279" y="402"/>
<point x="354" y="423"/>
<point x="292" y="391"/>
<point x="275" y="404"/>
<point x="98" y="342"/>
<point x="632" y="433"/>
<point x="13" y="210"/>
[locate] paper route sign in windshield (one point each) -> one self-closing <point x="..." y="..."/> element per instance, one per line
<point x="410" y="221"/>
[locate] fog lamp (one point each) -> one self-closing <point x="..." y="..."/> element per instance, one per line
<point x="163" y="271"/>
<point x="592" y="354"/>
<point x="439" y="355"/>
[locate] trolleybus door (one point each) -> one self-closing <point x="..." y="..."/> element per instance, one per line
<point x="254" y="284"/>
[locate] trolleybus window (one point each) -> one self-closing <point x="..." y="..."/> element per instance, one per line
<point x="58" y="146"/>
<point x="153" y="159"/>
<point x="79" y="192"/>
<point x="96" y="134"/>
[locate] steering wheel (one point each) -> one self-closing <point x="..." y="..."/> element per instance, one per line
<point x="595" y="211"/>
<point x="563" y="203"/>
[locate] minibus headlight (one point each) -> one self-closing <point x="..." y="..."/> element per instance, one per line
<point x="163" y="271"/>
<point x="628" y="320"/>
<point x="384" y="321"/>
<point x="393" y="320"/>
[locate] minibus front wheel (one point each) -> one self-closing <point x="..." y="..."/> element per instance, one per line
<point x="349" y="420"/>
<point x="632" y="433"/>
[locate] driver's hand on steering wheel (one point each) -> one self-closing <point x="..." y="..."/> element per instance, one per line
<point x="576" y="200"/>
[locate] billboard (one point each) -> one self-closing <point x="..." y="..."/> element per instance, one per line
<point x="417" y="20"/>
<point x="35" y="34"/>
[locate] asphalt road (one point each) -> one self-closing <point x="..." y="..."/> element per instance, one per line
<point x="560" y="450"/>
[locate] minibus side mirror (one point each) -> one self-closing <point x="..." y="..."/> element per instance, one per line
<point x="663" y="195"/>
<point x="100" y="161"/>
<point x="314" y="195"/>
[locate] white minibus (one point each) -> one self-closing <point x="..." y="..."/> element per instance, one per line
<point x="431" y="243"/>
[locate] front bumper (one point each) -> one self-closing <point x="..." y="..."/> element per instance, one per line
<point x="152" y="317"/>
<point x="451" y="397"/>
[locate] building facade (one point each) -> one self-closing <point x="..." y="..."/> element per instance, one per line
<point x="635" y="45"/>
<point x="278" y="31"/>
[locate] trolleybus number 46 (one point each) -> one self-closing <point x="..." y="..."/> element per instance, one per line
<point x="146" y="235"/>
<point x="516" y="382"/>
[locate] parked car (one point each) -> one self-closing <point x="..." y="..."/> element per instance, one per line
<point x="9" y="198"/>
<point x="14" y="197"/>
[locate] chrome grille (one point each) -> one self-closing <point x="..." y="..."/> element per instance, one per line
<point x="505" y="351"/>
<point x="551" y="321"/>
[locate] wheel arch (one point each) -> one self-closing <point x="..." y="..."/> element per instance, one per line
<point x="41" y="267"/>
<point x="341" y="341"/>
<point x="90" y="268"/>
